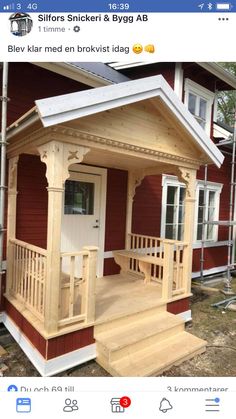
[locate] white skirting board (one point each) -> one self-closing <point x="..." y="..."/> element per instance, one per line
<point x="186" y="315"/>
<point x="50" y="367"/>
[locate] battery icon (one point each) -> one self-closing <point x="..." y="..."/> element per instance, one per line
<point x="224" y="7"/>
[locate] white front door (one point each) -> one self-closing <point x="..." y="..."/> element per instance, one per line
<point x="81" y="217"/>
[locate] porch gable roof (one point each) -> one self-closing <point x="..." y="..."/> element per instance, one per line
<point x="63" y="108"/>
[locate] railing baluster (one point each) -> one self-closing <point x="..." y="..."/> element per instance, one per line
<point x="72" y="286"/>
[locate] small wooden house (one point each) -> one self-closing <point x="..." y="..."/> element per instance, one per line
<point x="76" y="165"/>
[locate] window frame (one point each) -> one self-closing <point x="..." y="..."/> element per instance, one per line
<point x="217" y="189"/>
<point x="168" y="180"/>
<point x="201" y="93"/>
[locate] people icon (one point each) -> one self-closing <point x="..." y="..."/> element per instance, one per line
<point x="70" y="405"/>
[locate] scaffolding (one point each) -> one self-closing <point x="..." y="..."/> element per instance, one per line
<point x="230" y="223"/>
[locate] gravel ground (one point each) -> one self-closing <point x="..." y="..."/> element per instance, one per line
<point x="217" y="326"/>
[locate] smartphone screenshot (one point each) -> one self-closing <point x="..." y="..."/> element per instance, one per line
<point x="117" y="209"/>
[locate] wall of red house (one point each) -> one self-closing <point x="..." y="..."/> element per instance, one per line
<point x="24" y="87"/>
<point x="199" y="75"/>
<point x="115" y="216"/>
<point x="220" y="176"/>
<point x="167" y="70"/>
<point x="32" y="201"/>
<point x="147" y="207"/>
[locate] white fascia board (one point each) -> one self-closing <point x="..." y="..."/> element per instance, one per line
<point x="64" y="108"/>
<point x="220" y="72"/>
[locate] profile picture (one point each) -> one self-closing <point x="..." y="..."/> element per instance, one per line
<point x="21" y="24"/>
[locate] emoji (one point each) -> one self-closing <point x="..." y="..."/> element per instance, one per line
<point x="137" y="48"/>
<point x="149" y="48"/>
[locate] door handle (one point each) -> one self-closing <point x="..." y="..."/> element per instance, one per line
<point x="96" y="226"/>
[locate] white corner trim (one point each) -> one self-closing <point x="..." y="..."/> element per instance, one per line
<point x="179" y="80"/>
<point x="212" y="271"/>
<point x="186" y="315"/>
<point x="52" y="366"/>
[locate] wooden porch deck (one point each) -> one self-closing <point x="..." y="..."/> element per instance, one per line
<point x="120" y="295"/>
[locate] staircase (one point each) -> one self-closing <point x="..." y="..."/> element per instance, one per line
<point x="145" y="344"/>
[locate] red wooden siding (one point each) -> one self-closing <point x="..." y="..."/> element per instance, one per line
<point x="147" y="207"/>
<point x="203" y="77"/>
<point x="167" y="70"/>
<point x="26" y="328"/>
<point x="176" y="307"/>
<point x="213" y="257"/>
<point x="70" y="342"/>
<point x="50" y="348"/>
<point x="31" y="224"/>
<point x="28" y="82"/>
<point x="221" y="175"/>
<point x="116" y="209"/>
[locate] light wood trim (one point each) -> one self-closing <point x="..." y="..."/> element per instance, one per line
<point x="28" y="276"/>
<point x="29" y="246"/>
<point x="71" y="320"/>
<point x="79" y="288"/>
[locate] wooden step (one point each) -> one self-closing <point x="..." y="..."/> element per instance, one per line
<point x="124" y="340"/>
<point x="153" y="360"/>
<point x="127" y="319"/>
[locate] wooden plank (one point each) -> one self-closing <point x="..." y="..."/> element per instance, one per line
<point x="29" y="246"/>
<point x="139" y="256"/>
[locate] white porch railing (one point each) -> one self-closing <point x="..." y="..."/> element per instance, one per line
<point x="171" y="254"/>
<point x="28" y="275"/>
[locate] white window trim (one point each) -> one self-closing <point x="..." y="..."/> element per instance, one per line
<point x="211" y="186"/>
<point x="200" y="91"/>
<point x="167" y="180"/>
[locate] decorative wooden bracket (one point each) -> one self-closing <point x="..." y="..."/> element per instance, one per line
<point x="12" y="181"/>
<point x="58" y="157"/>
<point x="188" y="177"/>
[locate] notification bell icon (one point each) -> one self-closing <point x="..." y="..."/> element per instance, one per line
<point x="165" y="405"/>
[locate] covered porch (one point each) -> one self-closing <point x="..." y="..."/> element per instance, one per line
<point x="144" y="130"/>
<point x="90" y="300"/>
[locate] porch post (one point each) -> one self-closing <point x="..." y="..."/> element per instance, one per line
<point x="189" y="177"/>
<point x="134" y="180"/>
<point x="11" y="218"/>
<point x="58" y="157"/>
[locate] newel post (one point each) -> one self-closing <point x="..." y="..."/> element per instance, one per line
<point x="90" y="284"/>
<point x="168" y="270"/>
<point x="189" y="177"/>
<point x="11" y="218"/>
<point x="58" y="157"/>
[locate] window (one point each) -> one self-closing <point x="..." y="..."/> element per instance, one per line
<point x="172" y="208"/>
<point x="199" y="102"/>
<point x="209" y="198"/>
<point x="79" y="198"/>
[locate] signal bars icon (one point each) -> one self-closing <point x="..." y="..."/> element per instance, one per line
<point x="9" y="6"/>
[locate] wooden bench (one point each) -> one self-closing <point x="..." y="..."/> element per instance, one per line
<point x="145" y="262"/>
